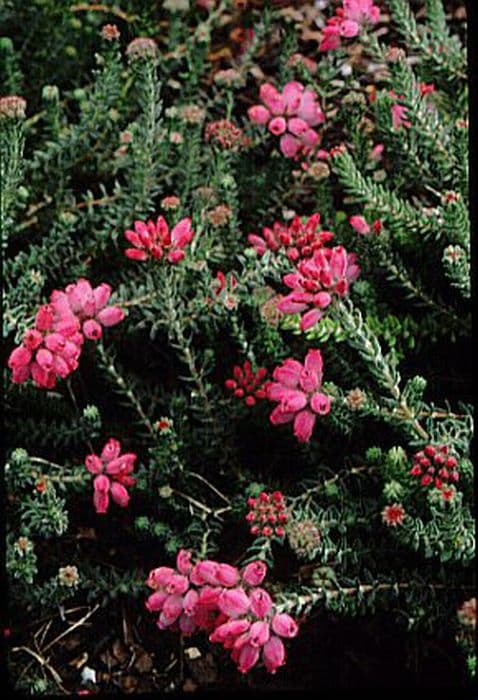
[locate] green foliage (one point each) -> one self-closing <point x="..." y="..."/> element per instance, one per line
<point x="110" y="138"/>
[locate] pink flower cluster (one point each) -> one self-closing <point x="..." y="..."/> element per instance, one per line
<point x="399" y="112"/>
<point x="347" y="21"/>
<point x="155" y="240"/>
<point x="267" y="514"/>
<point x="51" y="349"/>
<point x="360" y="224"/>
<point x="112" y="472"/>
<point x="226" y="602"/>
<point x="328" y="272"/>
<point x="436" y="467"/>
<point x="223" y="288"/>
<point x="290" y="114"/>
<point x="298" y="240"/>
<point x="225" y="134"/>
<point x="248" y="384"/>
<point x="297" y="389"/>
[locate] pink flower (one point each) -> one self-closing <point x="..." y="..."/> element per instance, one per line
<point x="261" y="602"/>
<point x="205" y="572"/>
<point x="273" y="654"/>
<point x="267" y="515"/>
<point x="277" y="126"/>
<point x="58" y="334"/>
<point x="227" y="575"/>
<point x="224" y="290"/>
<point x="297" y="240"/>
<point x="154" y="240"/>
<point x="246" y="624"/>
<point x="155" y="601"/>
<point x="190" y="602"/>
<point x="309" y="108"/>
<point x="247" y="657"/>
<point x="258" y="114"/>
<point x="289" y="146"/>
<point x="159" y="577"/>
<point x="297" y="390"/>
<point x="233" y="602"/>
<point x="347" y="22"/>
<point x="359" y="224"/>
<point x="254" y="573"/>
<point x="290" y="115"/>
<point x="112" y="475"/>
<point x="399" y="113"/>
<point x="284" y="625"/>
<point x="259" y="633"/>
<point x="248" y="384"/>
<point x="272" y="99"/>
<point x="229" y="630"/>
<point x="330" y="37"/>
<point x="361" y="11"/>
<point x="183" y="561"/>
<point x="100" y="497"/>
<point x="330" y="271"/>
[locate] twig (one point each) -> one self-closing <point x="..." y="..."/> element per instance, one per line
<point x="98" y="7"/>
<point x="92" y="203"/>
<point x="44" y="663"/>
<point x="71" y="628"/>
<point x="213" y="488"/>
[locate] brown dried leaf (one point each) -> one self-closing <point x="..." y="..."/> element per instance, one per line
<point x="203" y="669"/>
<point x="257" y="72"/>
<point x="225" y="52"/>
<point x="108" y="659"/>
<point x="120" y="652"/>
<point x="311" y="35"/>
<point x="79" y="661"/>
<point x="144" y="662"/>
<point x="86" y="533"/>
<point x="129" y="684"/>
<point x="189" y="686"/>
<point x="71" y="642"/>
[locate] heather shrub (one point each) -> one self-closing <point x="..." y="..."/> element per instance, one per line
<point x="237" y="322"/>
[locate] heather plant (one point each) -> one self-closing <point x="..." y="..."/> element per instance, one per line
<point x="237" y="318"/>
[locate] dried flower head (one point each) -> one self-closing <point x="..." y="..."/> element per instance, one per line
<point x="304" y="537"/>
<point x="318" y="170"/>
<point x="298" y="59"/>
<point x="192" y="114"/>
<point x="224" y="134"/>
<point x="141" y="47"/>
<point x="220" y="215"/>
<point x="205" y="192"/>
<point x="230" y="77"/>
<point x="12" y="107"/>
<point x="23" y="545"/>
<point x="269" y="311"/>
<point x="467" y="613"/>
<point x="176" y="137"/>
<point x="171" y="202"/>
<point x="68" y="576"/>
<point x="176" y="5"/>
<point x="110" y="32"/>
<point x="126" y="137"/>
<point x="355" y="399"/>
